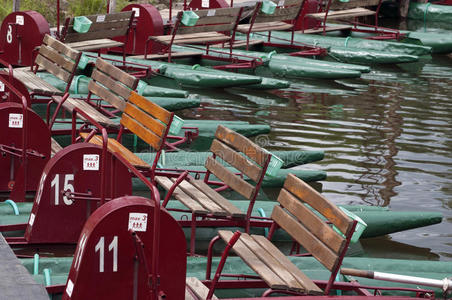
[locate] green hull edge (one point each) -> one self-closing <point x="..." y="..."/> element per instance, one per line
<point x="196" y="267"/>
<point x="430" y="12"/>
<point x="291" y="158"/>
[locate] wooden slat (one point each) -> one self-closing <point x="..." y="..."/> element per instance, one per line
<point x="232" y="210"/>
<point x="60" y="47"/>
<point x="55" y="146"/>
<point x="307" y="194"/>
<point x="272" y="279"/>
<point x="205" y="28"/>
<point x="311" y="221"/>
<point x="117" y="74"/>
<point x="288" y="2"/>
<point x="95" y="44"/>
<point x="186" y="200"/>
<point x="53" y="68"/>
<point x="35" y="83"/>
<point x="260" y="27"/>
<point x="71" y="103"/>
<point x="276" y="266"/>
<point x="151" y="108"/>
<point x="235" y="182"/>
<point x="310" y="287"/>
<point x="116" y="147"/>
<point x="202" y="199"/>
<point x="188" y="296"/>
<point x="173" y="54"/>
<point x="353" y="3"/>
<point x="106" y="95"/>
<point x="146" y="120"/>
<point x="236" y="160"/>
<point x="52" y="55"/>
<point x="229" y="11"/>
<point x="198" y="288"/>
<point x="327" y="29"/>
<point x="111" y="84"/>
<point x="349" y="13"/>
<point x="242" y="144"/>
<point x="303" y="236"/>
<point x="280" y="14"/>
<point x="94" y="35"/>
<point x="142" y="132"/>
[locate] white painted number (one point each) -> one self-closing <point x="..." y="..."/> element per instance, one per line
<point x="68" y="178"/>
<point x="100" y="247"/>
<point x="9" y="34"/>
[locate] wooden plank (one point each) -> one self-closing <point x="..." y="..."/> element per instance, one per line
<point x="353" y="3"/>
<point x="186" y="200"/>
<point x="305" y="238"/>
<point x="310" y="287"/>
<point x="202" y="199"/>
<point x="306" y="193"/>
<point x="280" y="14"/>
<point x="260" y="27"/>
<point x="228" y="11"/>
<point x="94" y="35"/>
<point x="272" y="279"/>
<point x="327" y="29"/>
<point x="55" y="146"/>
<point x="349" y="13"/>
<point x="311" y="221"/>
<point x="198" y="288"/>
<point x="116" y="147"/>
<point x="235" y="182"/>
<point x="242" y="144"/>
<point x="35" y="83"/>
<point x="151" y="108"/>
<point x="205" y="28"/>
<point x="107" y="95"/>
<point x="142" y="132"/>
<point x="272" y="263"/>
<point x="188" y="295"/>
<point x="146" y="120"/>
<point x="111" y="84"/>
<point x="117" y="74"/>
<point x="52" y="55"/>
<point x="52" y="68"/>
<point x="288" y="2"/>
<point x="71" y="103"/>
<point x="60" y="47"/>
<point x="95" y="45"/>
<point x="173" y="54"/>
<point x="232" y="210"/>
<point x="236" y="160"/>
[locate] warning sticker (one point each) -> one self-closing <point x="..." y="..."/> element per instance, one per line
<point x="205" y="3"/>
<point x="100" y="18"/>
<point x="138" y="221"/>
<point x="16" y="120"/>
<point x="20" y="20"/>
<point x="69" y="288"/>
<point x="137" y="11"/>
<point x="91" y="162"/>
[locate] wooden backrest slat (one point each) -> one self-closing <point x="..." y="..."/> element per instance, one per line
<point x="151" y="108"/>
<point x="111" y="84"/>
<point x="312" y="221"/>
<point x="61" y="48"/>
<point x="353" y="4"/>
<point x="60" y="60"/>
<point x="288" y="2"/>
<point x="236" y="160"/>
<point x="205" y="28"/>
<point x="235" y="182"/>
<point x="52" y="68"/>
<point x="145" y="119"/>
<point x="242" y="144"/>
<point x="142" y="132"/>
<point x="310" y="196"/>
<point x="283" y="14"/>
<point x="117" y="74"/>
<point x="303" y="236"/>
<point x="107" y="95"/>
<point x="108" y="26"/>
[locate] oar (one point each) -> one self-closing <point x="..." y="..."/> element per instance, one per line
<point x="444" y="284"/>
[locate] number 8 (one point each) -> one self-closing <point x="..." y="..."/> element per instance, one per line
<point x="9" y="34"/>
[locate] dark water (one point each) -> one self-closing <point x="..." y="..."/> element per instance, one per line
<point x="387" y="140"/>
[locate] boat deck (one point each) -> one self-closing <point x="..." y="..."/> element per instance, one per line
<point x="15" y="281"/>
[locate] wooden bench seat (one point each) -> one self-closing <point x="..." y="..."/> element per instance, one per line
<point x="260" y="27"/>
<point x="343" y="14"/>
<point x="327" y="29"/>
<point x="196" y="290"/>
<point x="96" y="44"/>
<point x="300" y="213"/>
<point x="35" y="83"/>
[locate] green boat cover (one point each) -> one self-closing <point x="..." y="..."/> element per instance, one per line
<point x="79" y="85"/>
<point x="430" y="12"/>
<point x="291" y="158"/>
<point x="440" y="42"/>
<point x="357" y="43"/>
<point x="200" y="77"/>
<point x="289" y="66"/>
<point x="196" y="267"/>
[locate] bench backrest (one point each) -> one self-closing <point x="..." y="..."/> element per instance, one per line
<point x="306" y="227"/>
<point x="147" y="120"/>
<point x="221" y="19"/>
<point x="286" y="10"/>
<point x="103" y="26"/>
<point x="111" y="84"/>
<point x="230" y="147"/>
<point x="353" y="4"/>
<point x="57" y="59"/>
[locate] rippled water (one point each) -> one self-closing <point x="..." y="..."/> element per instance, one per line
<point x="387" y="140"/>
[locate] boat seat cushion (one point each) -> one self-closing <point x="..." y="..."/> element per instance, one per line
<point x="270" y="264"/>
<point x="116" y="147"/>
<point x="200" y="198"/>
